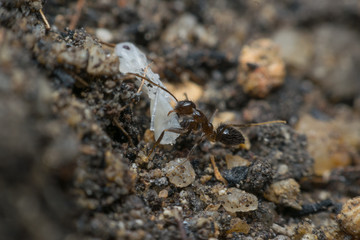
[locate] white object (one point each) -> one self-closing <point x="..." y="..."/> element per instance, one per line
<point x="132" y="60"/>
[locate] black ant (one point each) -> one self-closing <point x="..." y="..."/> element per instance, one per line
<point x="197" y="121"/>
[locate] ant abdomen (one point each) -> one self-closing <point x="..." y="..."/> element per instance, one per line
<point x="229" y="135"/>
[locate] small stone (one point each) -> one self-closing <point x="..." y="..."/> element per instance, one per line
<point x="156" y="173"/>
<point x="295" y="46"/>
<point x="205" y="178"/>
<point x="282" y="169"/>
<point x="238" y="201"/>
<point x="148" y="135"/>
<point x="186" y="28"/>
<point x="194" y="91"/>
<point x="349" y="217"/>
<point x="104" y="35"/>
<point x="333" y="143"/>
<point x="238" y="225"/>
<point x="285" y="192"/>
<point x="163" y="193"/>
<point x="180" y="172"/>
<point x="235" y="161"/>
<point x="236" y="175"/>
<point x="309" y="236"/>
<point x="110" y="83"/>
<point x="260" y="68"/>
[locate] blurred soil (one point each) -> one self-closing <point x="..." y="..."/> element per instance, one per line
<point x="74" y="133"/>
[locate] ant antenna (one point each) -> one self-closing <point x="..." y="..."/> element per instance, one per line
<point x="245" y="125"/>
<point x="155" y="84"/>
<point x="213" y="115"/>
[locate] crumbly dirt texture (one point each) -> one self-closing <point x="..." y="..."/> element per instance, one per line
<point x="75" y="133"/>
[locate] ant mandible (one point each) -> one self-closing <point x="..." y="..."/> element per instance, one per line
<point x="224" y="133"/>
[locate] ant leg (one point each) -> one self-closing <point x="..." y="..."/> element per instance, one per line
<point x="174" y="130"/>
<point x="217" y="172"/>
<point x="196" y="144"/>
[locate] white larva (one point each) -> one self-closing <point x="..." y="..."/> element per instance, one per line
<point x="132" y="60"/>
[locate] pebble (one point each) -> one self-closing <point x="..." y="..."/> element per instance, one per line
<point x="104" y="35"/>
<point x="260" y="68"/>
<point x="163" y="193"/>
<point x="335" y="63"/>
<point x="180" y="172"/>
<point x="186" y="28"/>
<point x="349" y="217"/>
<point x="238" y="225"/>
<point x="235" y="161"/>
<point x="237" y="200"/>
<point x="295" y="47"/>
<point x="331" y="143"/>
<point x="285" y="192"/>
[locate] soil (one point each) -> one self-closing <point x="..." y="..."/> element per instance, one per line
<point x="75" y="132"/>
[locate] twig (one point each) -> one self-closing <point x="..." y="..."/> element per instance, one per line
<point x="125" y="133"/>
<point x="47" y="25"/>
<point x="111" y="45"/>
<point x="217" y="172"/>
<point x="180" y="224"/>
<point x="75" y="18"/>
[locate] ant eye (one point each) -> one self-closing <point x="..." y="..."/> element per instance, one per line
<point x="126" y="47"/>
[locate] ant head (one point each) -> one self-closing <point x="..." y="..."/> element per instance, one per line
<point x="185" y="107"/>
<point x="229" y="135"/>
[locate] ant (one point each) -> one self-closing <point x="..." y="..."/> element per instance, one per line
<point x="197" y="121"/>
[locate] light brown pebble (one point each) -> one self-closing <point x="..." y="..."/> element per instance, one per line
<point x="205" y="178"/>
<point x="349" y="217"/>
<point x="237" y="200"/>
<point x="285" y="192"/>
<point x="148" y="135"/>
<point x="309" y="236"/>
<point x="110" y="83"/>
<point x="163" y="193"/>
<point x="156" y="173"/>
<point x="261" y="69"/>
<point x="333" y="143"/>
<point x="180" y="172"/>
<point x="238" y="225"/>
<point x="235" y="161"/>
